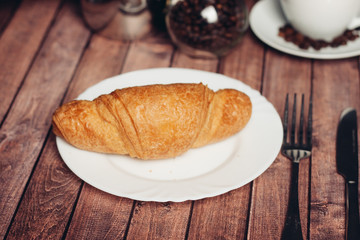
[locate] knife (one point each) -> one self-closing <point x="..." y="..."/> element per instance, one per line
<point x="347" y="166"/>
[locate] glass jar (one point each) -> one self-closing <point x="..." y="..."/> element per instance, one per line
<point x="206" y="28"/>
<point x="124" y="20"/>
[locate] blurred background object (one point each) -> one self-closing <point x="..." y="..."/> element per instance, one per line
<point x="200" y="28"/>
<point x="157" y="9"/>
<point x="117" y="19"/>
<point x="207" y="28"/>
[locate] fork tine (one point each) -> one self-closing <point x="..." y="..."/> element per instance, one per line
<point x="286" y="117"/>
<point x="293" y="122"/>
<point x="301" y="125"/>
<point x="309" y="125"/>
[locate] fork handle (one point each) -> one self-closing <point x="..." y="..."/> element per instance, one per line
<point x="292" y="228"/>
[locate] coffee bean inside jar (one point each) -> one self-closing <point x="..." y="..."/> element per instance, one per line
<point x="207" y="28"/>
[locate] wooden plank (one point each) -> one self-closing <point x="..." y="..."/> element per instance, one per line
<point x="49" y="198"/>
<point x="26" y="127"/>
<point x="86" y="223"/>
<point x="225" y="216"/>
<point x="269" y="201"/>
<point x="53" y="189"/>
<point x="100" y="215"/>
<point x="102" y="59"/>
<point x="153" y="220"/>
<point x="222" y="217"/>
<point x="151" y="52"/>
<point x="7" y="9"/>
<point x="166" y="220"/>
<point x="341" y="78"/>
<point x="183" y="61"/>
<point x="245" y="62"/>
<point x="19" y="43"/>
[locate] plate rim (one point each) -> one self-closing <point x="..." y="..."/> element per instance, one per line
<point x="162" y="198"/>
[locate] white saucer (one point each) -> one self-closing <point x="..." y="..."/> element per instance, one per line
<point x="266" y="17"/>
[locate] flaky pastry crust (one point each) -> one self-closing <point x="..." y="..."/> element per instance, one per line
<point x="154" y="121"/>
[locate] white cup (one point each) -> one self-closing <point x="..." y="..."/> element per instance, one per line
<point x="322" y="19"/>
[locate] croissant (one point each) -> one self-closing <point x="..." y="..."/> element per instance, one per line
<point x="154" y="121"/>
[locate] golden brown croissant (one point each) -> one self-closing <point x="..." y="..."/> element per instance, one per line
<point x="153" y="122"/>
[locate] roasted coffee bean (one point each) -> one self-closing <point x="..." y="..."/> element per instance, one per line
<point x="291" y="35"/>
<point x="191" y="28"/>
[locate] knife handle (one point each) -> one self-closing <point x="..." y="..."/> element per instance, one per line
<point x="352" y="212"/>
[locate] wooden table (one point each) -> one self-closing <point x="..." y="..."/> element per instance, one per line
<point x="48" y="56"/>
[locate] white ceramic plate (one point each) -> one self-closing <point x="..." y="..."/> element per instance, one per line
<point x="266" y="17"/>
<point x="199" y="173"/>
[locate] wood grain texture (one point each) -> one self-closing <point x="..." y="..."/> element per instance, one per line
<point x="7" y="9"/>
<point x="19" y="44"/>
<point x="48" y="56"/>
<point x="333" y="78"/>
<point x="103" y="58"/>
<point x="221" y="217"/>
<point x="182" y="60"/>
<point x="166" y="220"/>
<point x="23" y="133"/>
<point x="282" y="74"/>
<point x="99" y="215"/>
<point x="245" y="63"/>
<point x="53" y="189"/>
<point x="154" y="220"/>
<point x="151" y="52"/>
<point x="147" y="53"/>
<point x="49" y="199"/>
<point x="225" y="216"/>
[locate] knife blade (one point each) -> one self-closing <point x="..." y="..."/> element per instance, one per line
<point x="347" y="166"/>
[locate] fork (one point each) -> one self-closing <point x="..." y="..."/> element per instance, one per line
<point x="295" y="151"/>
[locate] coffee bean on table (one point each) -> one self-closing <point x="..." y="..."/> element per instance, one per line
<point x="291" y="35"/>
